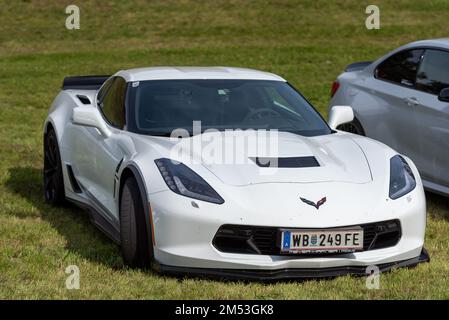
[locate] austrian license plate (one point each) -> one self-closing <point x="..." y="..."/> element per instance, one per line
<point x="321" y="241"/>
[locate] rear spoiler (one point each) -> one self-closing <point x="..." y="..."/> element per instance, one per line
<point x="358" y="66"/>
<point x="84" y="82"/>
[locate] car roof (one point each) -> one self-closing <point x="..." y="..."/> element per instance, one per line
<point x="442" y="43"/>
<point x="438" y="43"/>
<point x="180" y="73"/>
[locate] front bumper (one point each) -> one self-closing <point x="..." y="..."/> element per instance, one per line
<point x="184" y="233"/>
<point x="286" y="274"/>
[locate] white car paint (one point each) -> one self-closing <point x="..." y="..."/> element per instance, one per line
<point x="354" y="176"/>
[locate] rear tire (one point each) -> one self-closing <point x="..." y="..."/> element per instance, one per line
<point x="53" y="178"/>
<point x="352" y="127"/>
<point x="134" y="236"/>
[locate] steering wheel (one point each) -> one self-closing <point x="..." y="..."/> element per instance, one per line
<point x="259" y="114"/>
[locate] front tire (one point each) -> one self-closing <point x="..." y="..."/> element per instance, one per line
<point x="134" y="235"/>
<point x="53" y="177"/>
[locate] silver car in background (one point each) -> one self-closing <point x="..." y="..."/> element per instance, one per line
<point x="402" y="100"/>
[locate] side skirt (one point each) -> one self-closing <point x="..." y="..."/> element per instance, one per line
<point x="109" y="228"/>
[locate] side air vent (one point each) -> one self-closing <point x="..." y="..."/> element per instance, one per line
<point x="75" y="186"/>
<point x="292" y="162"/>
<point x="83" y="99"/>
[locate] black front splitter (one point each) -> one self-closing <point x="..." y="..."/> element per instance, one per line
<point x="287" y="274"/>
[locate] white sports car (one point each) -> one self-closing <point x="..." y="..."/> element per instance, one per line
<point x="229" y="172"/>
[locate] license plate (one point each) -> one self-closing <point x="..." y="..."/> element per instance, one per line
<point x="321" y="241"/>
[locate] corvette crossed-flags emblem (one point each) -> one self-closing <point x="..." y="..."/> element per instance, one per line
<point x="313" y="204"/>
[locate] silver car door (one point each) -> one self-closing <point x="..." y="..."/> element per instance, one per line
<point x="83" y="142"/>
<point x="96" y="157"/>
<point x="109" y="154"/>
<point x="393" y="102"/>
<point x="433" y="117"/>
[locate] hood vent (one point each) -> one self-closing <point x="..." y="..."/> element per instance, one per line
<point x="290" y="162"/>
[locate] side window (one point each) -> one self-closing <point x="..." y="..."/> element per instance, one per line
<point x="104" y="89"/>
<point x="401" y="68"/>
<point x="113" y="104"/>
<point x="433" y="73"/>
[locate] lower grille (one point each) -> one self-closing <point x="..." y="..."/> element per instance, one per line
<point x="265" y="240"/>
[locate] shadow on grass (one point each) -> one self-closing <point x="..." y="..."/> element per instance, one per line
<point x="85" y="240"/>
<point x="72" y="223"/>
<point x="437" y="206"/>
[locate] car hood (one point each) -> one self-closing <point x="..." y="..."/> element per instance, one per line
<point x="338" y="157"/>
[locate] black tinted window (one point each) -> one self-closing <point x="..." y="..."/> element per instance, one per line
<point x="401" y="67"/>
<point x="163" y="106"/>
<point x="113" y="104"/>
<point x="104" y="89"/>
<point x="433" y="74"/>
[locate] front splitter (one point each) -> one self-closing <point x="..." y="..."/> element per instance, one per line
<point x="287" y="274"/>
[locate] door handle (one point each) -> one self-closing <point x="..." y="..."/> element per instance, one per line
<point x="411" y="101"/>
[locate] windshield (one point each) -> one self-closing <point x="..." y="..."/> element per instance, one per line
<point x="161" y="107"/>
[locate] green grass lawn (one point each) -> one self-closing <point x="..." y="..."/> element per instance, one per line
<point x="307" y="42"/>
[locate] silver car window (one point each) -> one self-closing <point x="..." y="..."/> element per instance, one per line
<point x="433" y="74"/>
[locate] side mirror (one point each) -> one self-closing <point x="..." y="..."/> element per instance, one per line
<point x="444" y="95"/>
<point x="90" y="117"/>
<point x="339" y="115"/>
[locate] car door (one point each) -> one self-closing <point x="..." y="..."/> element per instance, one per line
<point x="95" y="156"/>
<point x="393" y="97"/>
<point x="433" y="117"/>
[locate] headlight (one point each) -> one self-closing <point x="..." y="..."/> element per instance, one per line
<point x="402" y="180"/>
<point x="182" y="180"/>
